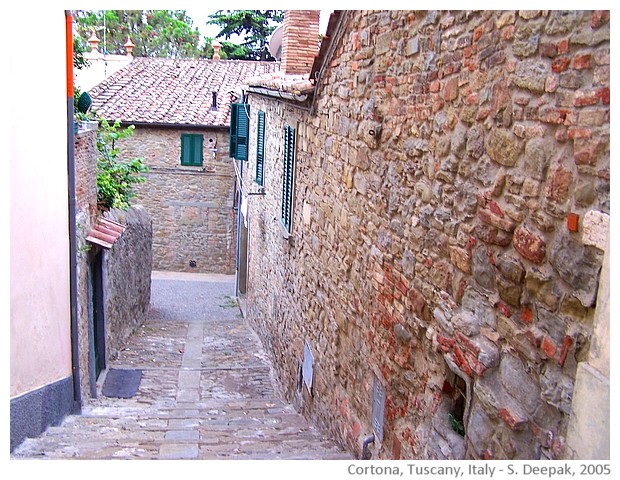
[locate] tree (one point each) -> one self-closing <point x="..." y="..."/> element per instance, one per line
<point x="255" y="25"/>
<point x="116" y="177"/>
<point x="155" y="33"/>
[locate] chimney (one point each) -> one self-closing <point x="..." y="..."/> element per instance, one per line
<point x="129" y="47"/>
<point x="93" y="42"/>
<point x="216" y="49"/>
<point x="300" y="41"/>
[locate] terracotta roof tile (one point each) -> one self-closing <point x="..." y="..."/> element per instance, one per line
<point x="168" y="91"/>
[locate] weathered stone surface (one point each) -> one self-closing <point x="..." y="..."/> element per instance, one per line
<point x="468" y="189"/>
<point x="579" y="266"/>
<point x="556" y="388"/>
<point x="595" y="229"/>
<point x="531" y="75"/>
<point x="530" y="245"/>
<point x="503" y="147"/>
<point x="537" y="154"/>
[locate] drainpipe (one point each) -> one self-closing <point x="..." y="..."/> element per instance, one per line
<point x="75" y="365"/>
<point x="367" y="441"/>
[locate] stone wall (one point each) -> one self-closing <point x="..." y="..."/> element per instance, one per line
<point x="127" y="277"/>
<point x="126" y="267"/>
<point x="450" y="216"/>
<point x="194" y="226"/>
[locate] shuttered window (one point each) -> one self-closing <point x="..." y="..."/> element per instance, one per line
<point x="260" y="147"/>
<point x="191" y="149"/>
<point x="239" y="130"/>
<point x="288" y="176"/>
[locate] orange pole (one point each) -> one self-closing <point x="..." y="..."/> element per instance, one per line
<point x="69" y="46"/>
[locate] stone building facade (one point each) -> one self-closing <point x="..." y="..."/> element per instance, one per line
<point x="437" y="291"/>
<point x="195" y="224"/>
<point x="190" y="190"/>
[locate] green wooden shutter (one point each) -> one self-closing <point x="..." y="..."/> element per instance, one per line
<point x="191" y="149"/>
<point x="239" y="130"/>
<point x="287" y="177"/>
<point x="260" y="147"/>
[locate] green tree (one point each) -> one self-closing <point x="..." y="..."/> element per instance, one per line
<point x="116" y="177"/>
<point x="155" y="33"/>
<point x="254" y="25"/>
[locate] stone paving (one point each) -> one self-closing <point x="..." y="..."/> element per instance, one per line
<point x="207" y="390"/>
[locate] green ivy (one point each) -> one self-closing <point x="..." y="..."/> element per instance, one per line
<point x="115" y="177"/>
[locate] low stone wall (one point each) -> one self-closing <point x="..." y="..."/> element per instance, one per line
<point x="127" y="266"/>
<point x="127" y="277"/>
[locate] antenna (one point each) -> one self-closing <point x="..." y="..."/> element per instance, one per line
<point x="275" y="43"/>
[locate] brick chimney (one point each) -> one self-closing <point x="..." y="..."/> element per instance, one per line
<point x="300" y="41"/>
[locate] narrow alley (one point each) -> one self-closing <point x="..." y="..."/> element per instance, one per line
<point x="206" y="390"/>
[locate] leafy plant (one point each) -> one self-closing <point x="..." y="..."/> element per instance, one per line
<point x="456" y="424"/>
<point x="115" y="177"/>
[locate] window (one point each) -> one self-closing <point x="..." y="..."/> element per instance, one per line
<point x="239" y="130"/>
<point x="191" y="149"/>
<point x="287" y="177"/>
<point x="260" y="147"/>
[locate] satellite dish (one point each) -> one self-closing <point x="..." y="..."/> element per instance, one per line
<point x="275" y="43"/>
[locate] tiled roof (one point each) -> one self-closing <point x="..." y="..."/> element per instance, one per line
<point x="105" y="232"/>
<point x="176" y="92"/>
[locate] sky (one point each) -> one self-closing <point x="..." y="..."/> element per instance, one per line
<point x="200" y="16"/>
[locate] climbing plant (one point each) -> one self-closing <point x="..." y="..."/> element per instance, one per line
<point x="116" y="177"/>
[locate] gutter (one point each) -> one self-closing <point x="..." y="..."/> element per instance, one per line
<point x="298" y="97"/>
<point x="73" y="290"/>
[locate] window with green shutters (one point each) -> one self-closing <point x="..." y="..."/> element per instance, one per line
<point x="260" y="147"/>
<point x="288" y="177"/>
<point x="239" y="130"/>
<point x="191" y="149"/>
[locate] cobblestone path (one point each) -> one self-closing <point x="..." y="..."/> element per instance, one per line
<point x="206" y="392"/>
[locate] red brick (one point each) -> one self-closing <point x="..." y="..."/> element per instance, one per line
<point x="461" y="361"/>
<point x="558" y="184"/>
<point x="478" y="33"/>
<point x="553" y="115"/>
<point x="568" y="341"/>
<point x="604" y="94"/>
<point x="561" y="64"/>
<point x="529" y="245"/>
<point x="504" y="224"/>
<point x="572" y="222"/>
<point x="513" y="420"/>
<point x="549" y="347"/>
<point x="526" y="316"/>
<point x="584" y="99"/>
<point x="508" y="32"/>
<point x="575" y="132"/>
<point x="466" y="343"/>
<point x="563" y="46"/>
<point x="477" y="367"/>
<point x="581" y="62"/>
<point x="504" y="310"/>
<point x="585" y="151"/>
<point x="396" y="447"/>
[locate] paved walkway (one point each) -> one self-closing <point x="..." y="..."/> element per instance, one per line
<point x="207" y="390"/>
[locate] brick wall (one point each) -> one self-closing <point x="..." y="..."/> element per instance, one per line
<point x="447" y="193"/>
<point x="194" y="224"/>
<point x="300" y="41"/>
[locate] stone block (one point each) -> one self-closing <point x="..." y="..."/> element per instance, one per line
<point x="503" y="147"/>
<point x="529" y="244"/>
<point x="556" y="388"/>
<point x="579" y="266"/>
<point x="595" y="229"/>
